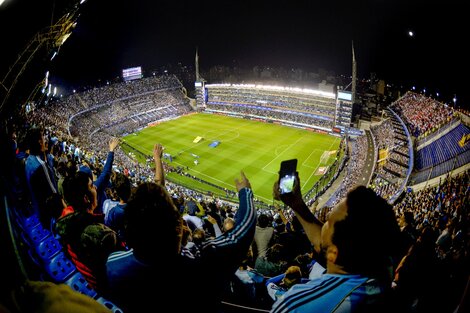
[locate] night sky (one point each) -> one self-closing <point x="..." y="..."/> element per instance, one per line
<point x="112" y="35"/>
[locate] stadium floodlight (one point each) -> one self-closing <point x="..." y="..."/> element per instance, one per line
<point x="66" y="36"/>
<point x="81" y="1"/>
<point x="46" y="79"/>
<point x="278" y="88"/>
<point x="1" y="2"/>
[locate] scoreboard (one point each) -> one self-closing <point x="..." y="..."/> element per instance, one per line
<point x="132" y="73"/>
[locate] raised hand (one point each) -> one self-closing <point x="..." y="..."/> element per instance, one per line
<point x="157" y="151"/>
<point x="243" y="182"/>
<point x="113" y="143"/>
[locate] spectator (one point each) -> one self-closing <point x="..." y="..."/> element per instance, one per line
<point x="357" y="243"/>
<point x="102" y="181"/>
<point x="229" y="224"/>
<point x="88" y="240"/>
<point x="39" y="169"/>
<point x="408" y="231"/>
<point x="263" y="235"/>
<point x="273" y="263"/>
<point x="154" y="233"/>
<point x="419" y="276"/>
<point x="114" y="217"/>
<point x="194" y="221"/>
<point x="278" y="285"/>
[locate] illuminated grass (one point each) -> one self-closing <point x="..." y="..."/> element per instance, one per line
<point x="257" y="148"/>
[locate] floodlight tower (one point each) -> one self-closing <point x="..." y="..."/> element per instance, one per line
<point x="354" y="74"/>
<point x="196" y="61"/>
<point x="199" y="86"/>
<point x="51" y="38"/>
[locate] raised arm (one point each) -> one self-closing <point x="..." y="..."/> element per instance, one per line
<point x="217" y="231"/>
<point x="157" y="156"/>
<point x="310" y="223"/>
<point x="103" y="180"/>
<point x="235" y="243"/>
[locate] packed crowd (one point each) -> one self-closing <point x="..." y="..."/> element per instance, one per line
<point x="423" y="115"/>
<point x="270" y="264"/>
<point x="107" y="209"/>
<point x="303" y="108"/>
<point x="394" y="167"/>
<point x="276" y="114"/>
<point x="353" y="170"/>
<point x="296" y="102"/>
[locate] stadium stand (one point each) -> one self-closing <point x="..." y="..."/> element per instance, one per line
<point x="313" y="108"/>
<point x="94" y="116"/>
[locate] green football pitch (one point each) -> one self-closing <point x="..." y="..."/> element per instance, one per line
<point x="256" y="148"/>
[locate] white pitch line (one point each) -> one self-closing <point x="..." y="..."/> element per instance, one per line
<point x="308" y="179"/>
<point x="305" y="161"/>
<point x="224" y="182"/>
<point x="282" y="153"/>
<point x="220" y="181"/>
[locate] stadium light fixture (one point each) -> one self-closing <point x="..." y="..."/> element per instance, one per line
<point x="81" y="1"/>
<point x="46" y="80"/>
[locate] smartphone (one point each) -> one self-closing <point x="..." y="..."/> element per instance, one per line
<point x="287" y="176"/>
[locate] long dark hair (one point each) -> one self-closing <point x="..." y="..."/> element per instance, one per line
<point x="152" y="220"/>
<point x="367" y="238"/>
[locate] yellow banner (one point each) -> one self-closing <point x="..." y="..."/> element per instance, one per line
<point x="464" y="140"/>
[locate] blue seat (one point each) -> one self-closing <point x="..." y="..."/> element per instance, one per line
<point x="109" y="305"/>
<point x="78" y="283"/>
<point x="30" y="222"/>
<point x="60" y="268"/>
<point x="48" y="248"/>
<point x="38" y="234"/>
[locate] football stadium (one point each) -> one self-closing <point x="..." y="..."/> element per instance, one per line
<point x="146" y="180"/>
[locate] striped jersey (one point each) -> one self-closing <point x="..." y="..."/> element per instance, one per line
<point x="329" y="293"/>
